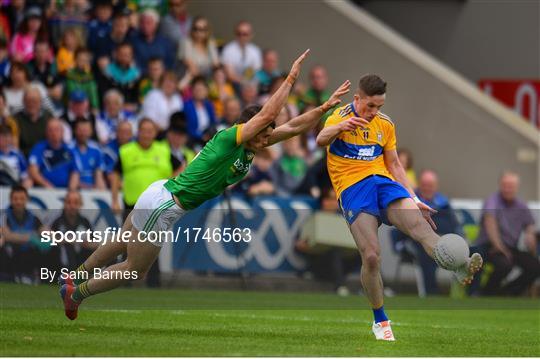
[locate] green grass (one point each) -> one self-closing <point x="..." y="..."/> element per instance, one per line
<point x="143" y="322"/>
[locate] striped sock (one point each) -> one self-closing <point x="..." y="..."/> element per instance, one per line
<point x="81" y="292"/>
<point x="80" y="278"/>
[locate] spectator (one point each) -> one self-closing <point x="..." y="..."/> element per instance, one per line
<point x="88" y="156"/>
<point x="22" y="44"/>
<point x="103" y="47"/>
<point x="52" y="162"/>
<point x="68" y="15"/>
<point x="19" y="81"/>
<point x="198" y="52"/>
<point x="504" y="218"/>
<point x="154" y="73"/>
<point x="290" y="169"/>
<point x="406" y="159"/>
<point x="5" y="31"/>
<point x="177" y="137"/>
<point x="159" y="104"/>
<point x="242" y="58"/>
<point x="316" y="179"/>
<point x="4" y="61"/>
<point x="81" y="78"/>
<point x="15" y="12"/>
<point x="7" y="120"/>
<point x="269" y="70"/>
<point x="199" y="110"/>
<point x="19" y="78"/>
<point x="69" y="255"/>
<point x="148" y="43"/>
<point x="13" y="166"/>
<point x="259" y="180"/>
<point x="123" y="135"/>
<point x="100" y="27"/>
<point x="65" y="57"/>
<point x="249" y="94"/>
<point x="220" y="90"/>
<point x="334" y="264"/>
<point x="123" y="74"/>
<point x="446" y="221"/>
<point x="43" y="69"/>
<point x="31" y="120"/>
<point x="113" y="113"/>
<point x="78" y="106"/>
<point x="140" y="164"/>
<point x="176" y="24"/>
<point x="20" y="229"/>
<point x="318" y="93"/>
<point x="231" y="113"/>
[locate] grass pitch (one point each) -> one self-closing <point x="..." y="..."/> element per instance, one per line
<point x="144" y="322"/>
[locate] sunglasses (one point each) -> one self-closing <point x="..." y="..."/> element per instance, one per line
<point x="243" y="34"/>
<point x="200" y="29"/>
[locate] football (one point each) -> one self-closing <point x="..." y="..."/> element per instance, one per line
<point x="451" y="252"/>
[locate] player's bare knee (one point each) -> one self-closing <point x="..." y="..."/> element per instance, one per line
<point x="371" y="260"/>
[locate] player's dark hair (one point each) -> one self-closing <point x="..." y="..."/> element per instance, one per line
<point x="18" y="188"/>
<point x="372" y="85"/>
<point x="249" y="112"/>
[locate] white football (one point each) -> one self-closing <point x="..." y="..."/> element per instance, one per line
<point x="451" y="252"/>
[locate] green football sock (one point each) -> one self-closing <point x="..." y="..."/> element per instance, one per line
<point x="80" y="278"/>
<point x="81" y="292"/>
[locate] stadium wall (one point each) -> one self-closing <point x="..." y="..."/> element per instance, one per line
<point x="274" y="222"/>
<point x="448" y="124"/>
<point x="480" y="39"/>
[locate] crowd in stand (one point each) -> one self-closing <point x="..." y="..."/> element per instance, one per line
<point x="78" y="77"/>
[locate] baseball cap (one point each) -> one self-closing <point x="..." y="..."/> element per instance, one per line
<point x="78" y="96"/>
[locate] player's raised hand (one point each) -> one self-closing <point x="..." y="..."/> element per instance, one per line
<point x="427" y="211"/>
<point x="295" y="69"/>
<point x="335" y="99"/>
<point x="352" y="123"/>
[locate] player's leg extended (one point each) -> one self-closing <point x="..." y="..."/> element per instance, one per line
<point x="405" y="215"/>
<point x="102" y="256"/>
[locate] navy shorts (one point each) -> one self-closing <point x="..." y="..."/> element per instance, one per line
<point x="371" y="195"/>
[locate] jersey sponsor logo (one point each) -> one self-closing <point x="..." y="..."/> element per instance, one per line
<point x="356" y="152"/>
<point x="240" y="167"/>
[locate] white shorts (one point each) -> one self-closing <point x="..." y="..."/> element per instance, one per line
<point x="156" y="210"/>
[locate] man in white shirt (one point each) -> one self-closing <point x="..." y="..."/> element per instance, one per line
<point x="242" y="59"/>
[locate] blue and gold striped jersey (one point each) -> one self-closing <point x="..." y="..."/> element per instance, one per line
<point x="354" y="155"/>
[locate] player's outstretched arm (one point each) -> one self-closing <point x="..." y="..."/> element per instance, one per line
<point x="308" y="120"/>
<point x="330" y="133"/>
<point x="274" y="105"/>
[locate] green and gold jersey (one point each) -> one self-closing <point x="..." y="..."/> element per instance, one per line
<point x="222" y="162"/>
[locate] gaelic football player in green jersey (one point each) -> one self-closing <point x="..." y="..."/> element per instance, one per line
<point x="224" y="160"/>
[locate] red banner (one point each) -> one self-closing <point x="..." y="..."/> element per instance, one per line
<point x="523" y="96"/>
